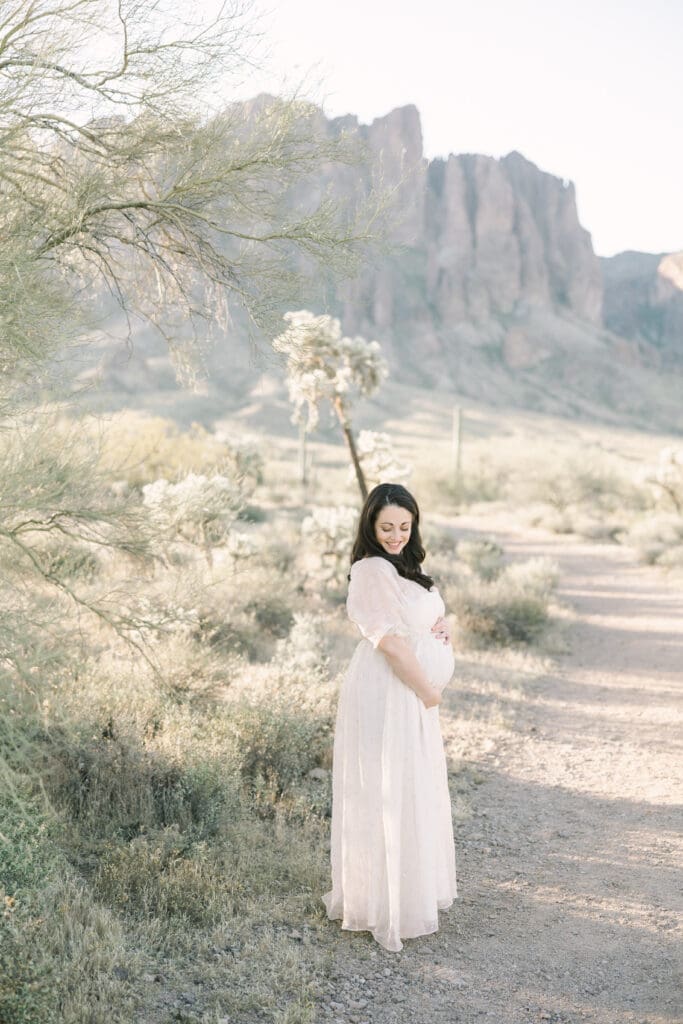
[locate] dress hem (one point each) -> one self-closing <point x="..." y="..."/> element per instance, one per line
<point x="427" y="929"/>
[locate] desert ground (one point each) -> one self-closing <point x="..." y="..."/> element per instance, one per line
<point x="565" y="773"/>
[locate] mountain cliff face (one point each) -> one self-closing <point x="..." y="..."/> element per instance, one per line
<point x="643" y="301"/>
<point x="496" y="236"/>
<point x="489" y="288"/>
<point x="493" y="287"/>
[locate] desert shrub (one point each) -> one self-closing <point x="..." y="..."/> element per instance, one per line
<point x="438" y="541"/>
<point x="672" y="558"/>
<point x="69" y="562"/>
<point x="665" y="479"/>
<point x="247" y="611"/>
<point x="276" y="745"/>
<point x="164" y="875"/>
<point x="482" y="479"/>
<point x="483" y="556"/>
<point x="138" y="448"/>
<point x="327" y="535"/>
<point x="250" y="513"/>
<point x="605" y="529"/>
<point x="123" y="754"/>
<point x="510" y="609"/>
<point x="536" y="577"/>
<point x="29" y="862"/>
<point x="574" y="481"/>
<point x="658" y="539"/>
<point x="272" y="612"/>
<point x="199" y="508"/>
<point x="588" y="494"/>
<point x="27" y="850"/>
<point x="282" y="715"/>
<point x="378" y="459"/>
<point x="115" y="785"/>
<point x="26" y="976"/>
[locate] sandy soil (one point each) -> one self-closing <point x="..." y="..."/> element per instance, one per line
<point x="566" y="785"/>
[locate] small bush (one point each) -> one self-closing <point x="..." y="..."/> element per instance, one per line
<point x="272" y="613"/>
<point x="70" y="562"/>
<point x="249" y="610"/>
<point x="27" y="853"/>
<point x="484" y="557"/>
<point x="29" y="861"/>
<point x="112" y="785"/>
<point x="281" y="717"/>
<point x="275" y="747"/>
<point x="26" y="978"/>
<point x="657" y="539"/>
<point x="481" y="480"/>
<point x="163" y="875"/>
<point x="139" y="448"/>
<point x="438" y="541"/>
<point x="511" y="609"/>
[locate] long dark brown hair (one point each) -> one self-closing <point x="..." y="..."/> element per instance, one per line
<point x="409" y="561"/>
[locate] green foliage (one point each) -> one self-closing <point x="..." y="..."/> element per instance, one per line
<point x="27" y="844"/>
<point x="247" y="614"/>
<point x="164" y="876"/>
<point x="574" y="482"/>
<point x="275" y="747"/>
<point x="138" y="448"/>
<point x="27" y="985"/>
<point x="71" y="562"/>
<point x="658" y="539"/>
<point x="510" y="609"/>
<point x="116" y="785"/>
<point x="29" y="862"/>
<point x="484" y="557"/>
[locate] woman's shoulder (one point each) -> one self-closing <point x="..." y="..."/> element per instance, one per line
<point x="373" y="565"/>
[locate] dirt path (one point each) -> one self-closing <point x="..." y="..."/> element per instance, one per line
<point x="565" y="779"/>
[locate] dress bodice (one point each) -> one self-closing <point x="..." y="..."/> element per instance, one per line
<point x="382" y="603"/>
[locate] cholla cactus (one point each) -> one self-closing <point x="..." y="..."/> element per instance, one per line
<point x="329" y="532"/>
<point x="200" y="508"/>
<point x="241" y="547"/>
<point x="667" y="476"/>
<point x="304" y="651"/>
<point x="322" y="364"/>
<point x="378" y="458"/>
<point x="245" y="461"/>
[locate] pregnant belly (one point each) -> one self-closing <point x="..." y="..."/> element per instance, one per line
<point x="436" y="658"/>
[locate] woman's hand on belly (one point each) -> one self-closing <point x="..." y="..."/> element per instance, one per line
<point x="406" y="666"/>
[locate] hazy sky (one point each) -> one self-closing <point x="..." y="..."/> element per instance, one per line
<point x="588" y="90"/>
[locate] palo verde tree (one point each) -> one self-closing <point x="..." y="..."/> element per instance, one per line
<point x="111" y="177"/>
<point x="115" y="183"/>
<point x="322" y="364"/>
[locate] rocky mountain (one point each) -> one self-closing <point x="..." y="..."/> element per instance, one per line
<point x="489" y="288"/>
<point x="643" y="301"/>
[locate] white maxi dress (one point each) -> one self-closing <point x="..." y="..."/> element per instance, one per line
<point x="392" y="850"/>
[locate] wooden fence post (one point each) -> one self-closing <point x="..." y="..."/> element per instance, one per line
<point x="456" y="450"/>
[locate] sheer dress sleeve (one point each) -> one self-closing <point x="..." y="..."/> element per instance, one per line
<point x="375" y="599"/>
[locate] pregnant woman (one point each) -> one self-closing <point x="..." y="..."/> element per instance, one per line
<point x="392" y="853"/>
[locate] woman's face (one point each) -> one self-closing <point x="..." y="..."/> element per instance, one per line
<point x="392" y="528"/>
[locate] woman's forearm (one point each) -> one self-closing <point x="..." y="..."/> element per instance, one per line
<point x="408" y="669"/>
